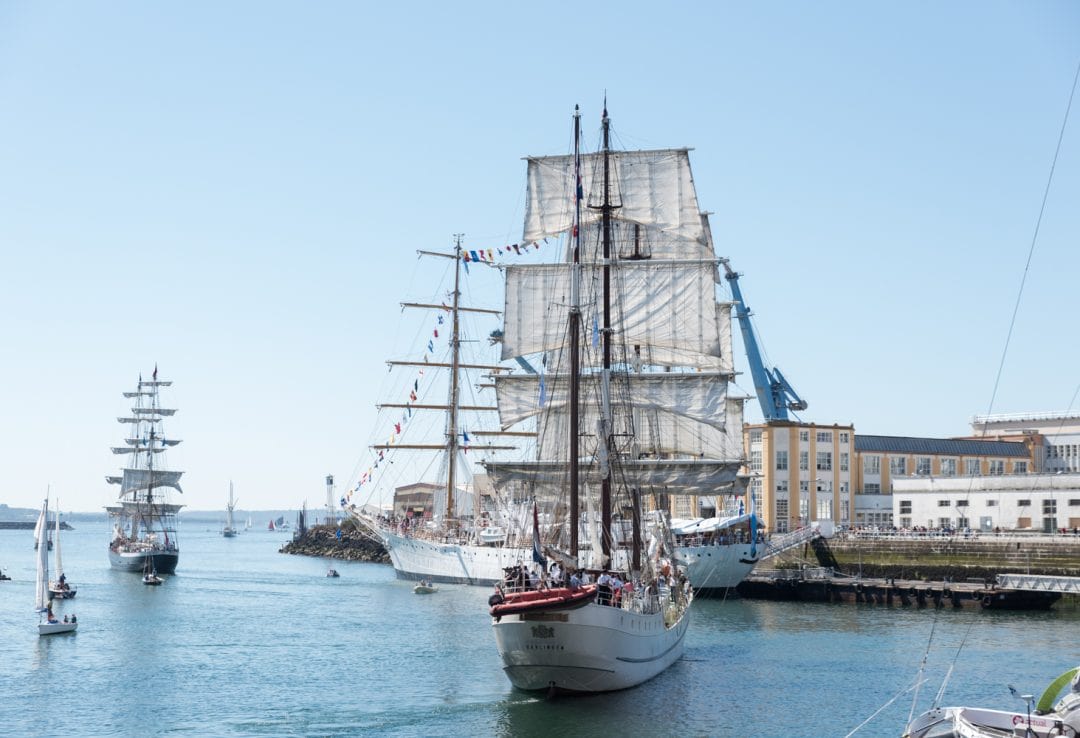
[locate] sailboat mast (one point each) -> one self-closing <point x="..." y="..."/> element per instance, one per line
<point x="605" y="440"/>
<point x="574" y="327"/>
<point x="455" y="361"/>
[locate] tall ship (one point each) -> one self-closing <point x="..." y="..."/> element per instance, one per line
<point x="144" y="519"/>
<point x="679" y="439"/>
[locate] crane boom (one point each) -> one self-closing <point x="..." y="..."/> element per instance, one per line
<point x="774" y="392"/>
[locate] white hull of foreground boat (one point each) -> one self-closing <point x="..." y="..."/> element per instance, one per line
<point x="594" y="648"/>
<point x="712" y="569"/>
<point x="45" y="629"/>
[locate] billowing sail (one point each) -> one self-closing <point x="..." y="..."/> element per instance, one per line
<point x="41" y="590"/>
<point x="139" y="479"/>
<point x="673" y="476"/>
<point x="650" y="187"/>
<point x="668" y="305"/>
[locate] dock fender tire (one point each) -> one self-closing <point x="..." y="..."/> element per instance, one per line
<point x="986" y="601"/>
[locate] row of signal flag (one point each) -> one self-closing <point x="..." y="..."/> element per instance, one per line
<point x="399" y="426"/>
<point x="487" y="256"/>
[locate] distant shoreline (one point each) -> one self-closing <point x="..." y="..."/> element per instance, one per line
<point x="29" y="525"/>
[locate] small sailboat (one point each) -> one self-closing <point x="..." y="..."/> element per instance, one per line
<point x="150" y="576"/>
<point x="48" y="624"/>
<point x="1048" y="718"/>
<point x="424" y="587"/>
<point x="229" y="531"/>
<point x="60" y="588"/>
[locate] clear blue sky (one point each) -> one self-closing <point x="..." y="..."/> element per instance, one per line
<point x="236" y="191"/>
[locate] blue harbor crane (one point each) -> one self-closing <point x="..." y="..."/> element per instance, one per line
<point x="774" y="392"/>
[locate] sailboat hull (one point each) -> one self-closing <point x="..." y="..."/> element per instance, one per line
<point x="164" y="562"/>
<point x="595" y="648"/>
<point x="45" y="629"/>
<point x="713" y="569"/>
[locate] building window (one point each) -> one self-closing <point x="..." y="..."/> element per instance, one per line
<point x="844" y="437"/>
<point x="997" y="467"/>
<point x="824" y="436"/>
<point x="972" y="467"/>
<point x="824" y="460"/>
<point x="1023" y="503"/>
<point x="845" y="511"/>
<point x="1074" y="503"/>
<point x="782" y="510"/>
<point x="804" y="435"/>
<point x="781" y="460"/>
<point x="1049" y="507"/>
<point x="1020" y="467"/>
<point x="905" y="507"/>
<point x="944" y="503"/>
<point x="898" y="466"/>
<point x="804" y="488"/>
<point x="843" y="488"/>
<point x="948" y="467"/>
<point x="963" y="523"/>
<point x="804" y="460"/>
<point x="991" y="503"/>
<point x="755" y="460"/>
<point x="922" y="466"/>
<point x="871" y="465"/>
<point x="905" y="522"/>
<point x="944" y="522"/>
<point x="844" y="460"/>
<point x="782" y="488"/>
<point x="871" y="488"/>
<point x="755" y="436"/>
<point x="961" y="503"/>
<point x="824" y="508"/>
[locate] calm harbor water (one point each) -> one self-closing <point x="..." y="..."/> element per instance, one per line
<point x="244" y="641"/>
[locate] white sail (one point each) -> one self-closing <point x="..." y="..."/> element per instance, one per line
<point x="152" y="410"/>
<point x="41" y="590"/>
<point x="140" y="479"/>
<point x="229" y="509"/>
<point x="662" y="304"/>
<point x="652" y="187"/>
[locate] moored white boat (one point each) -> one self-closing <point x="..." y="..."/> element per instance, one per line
<point x="48" y="623"/>
<point x="1039" y="720"/>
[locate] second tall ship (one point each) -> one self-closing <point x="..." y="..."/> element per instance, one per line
<point x="144" y="518"/>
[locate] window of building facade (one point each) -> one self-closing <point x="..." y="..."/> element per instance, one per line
<point x="991" y="503"/>
<point x="781" y="460"/>
<point x="844" y="460"/>
<point x="782" y="488"/>
<point x="755" y="460"/>
<point x="961" y="503"/>
<point x="804" y="509"/>
<point x="871" y="488"/>
<point x="922" y="465"/>
<point x="804" y="460"/>
<point x="804" y="435"/>
<point x="905" y="522"/>
<point x="781" y="511"/>
<point x="1020" y="467"/>
<point x="824" y="508"/>
<point x="804" y="488"/>
<point x="871" y="465"/>
<point x="944" y="503"/>
<point x="1023" y="503"/>
<point x="898" y="466"/>
<point x="755" y="436"/>
<point x="972" y="467"/>
<point x="944" y="522"/>
<point x="963" y="522"/>
<point x="682" y="506"/>
<point x="824" y="436"/>
<point x="824" y="460"/>
<point x="1049" y="507"/>
<point x="845" y="511"/>
<point x="997" y="466"/>
<point x="1074" y="503"/>
<point x="905" y="507"/>
<point x="844" y="437"/>
<point x="948" y="467"/>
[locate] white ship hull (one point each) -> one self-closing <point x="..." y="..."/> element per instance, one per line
<point x="712" y="569"/>
<point x="595" y="648"/>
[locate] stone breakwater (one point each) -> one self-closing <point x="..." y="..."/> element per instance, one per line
<point x="322" y="540"/>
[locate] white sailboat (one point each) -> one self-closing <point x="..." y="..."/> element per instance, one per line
<point x="48" y="624"/>
<point x="229" y="530"/>
<point x="144" y="519"/>
<point x="639" y="264"/>
<point x="60" y="588"/>
<point x="1041" y="719"/>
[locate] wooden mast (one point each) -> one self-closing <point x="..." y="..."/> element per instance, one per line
<point x="575" y="331"/>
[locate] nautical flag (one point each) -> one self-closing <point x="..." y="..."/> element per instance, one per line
<point x="397" y="427"/>
<point x="474" y="255"/>
<point x="412" y="396"/>
<point x="465" y="436"/>
<point x="440" y="319"/>
<point x="155" y="372"/>
<point x="491" y="255"/>
<point x="516" y="249"/>
<point x="416" y="384"/>
<point x="436" y="333"/>
<point x="465" y="256"/>
<point x="430" y="346"/>
<point x="538" y="557"/>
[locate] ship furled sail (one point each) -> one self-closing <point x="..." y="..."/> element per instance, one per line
<point x="144" y="519"/>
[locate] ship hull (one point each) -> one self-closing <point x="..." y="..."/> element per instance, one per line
<point x="712" y="569"/>
<point x="163" y="562"/>
<point x="594" y="648"/>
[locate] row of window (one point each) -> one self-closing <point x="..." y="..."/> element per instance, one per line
<point x="823" y="436"/>
<point x="898" y="466"/>
<point x="1048" y="506"/>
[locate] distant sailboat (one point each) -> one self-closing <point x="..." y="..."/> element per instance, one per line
<point x="271" y="526"/>
<point x="60" y="588"/>
<point x="229" y="531"/>
<point x="48" y="624"/>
